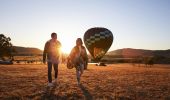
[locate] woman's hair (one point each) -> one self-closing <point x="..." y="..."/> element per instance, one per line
<point x="79" y="41"/>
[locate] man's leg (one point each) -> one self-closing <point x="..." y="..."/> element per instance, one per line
<point x="56" y="70"/>
<point x="49" y="72"/>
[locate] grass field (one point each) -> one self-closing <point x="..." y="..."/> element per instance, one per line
<point x="116" y="81"/>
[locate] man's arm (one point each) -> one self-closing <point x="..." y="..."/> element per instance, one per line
<point x="45" y="52"/>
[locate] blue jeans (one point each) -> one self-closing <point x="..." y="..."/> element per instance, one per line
<point x="50" y="71"/>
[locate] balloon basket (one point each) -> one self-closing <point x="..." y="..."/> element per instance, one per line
<point x="101" y="64"/>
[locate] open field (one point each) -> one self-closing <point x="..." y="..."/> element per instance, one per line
<point x="116" y="81"/>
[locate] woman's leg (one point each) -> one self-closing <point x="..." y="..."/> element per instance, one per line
<point x="81" y="69"/>
<point x="78" y="76"/>
<point x="79" y="72"/>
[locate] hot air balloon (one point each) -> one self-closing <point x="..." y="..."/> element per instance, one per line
<point x="98" y="41"/>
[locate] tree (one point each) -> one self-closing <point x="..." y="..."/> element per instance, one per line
<point x="5" y="46"/>
<point x="149" y="61"/>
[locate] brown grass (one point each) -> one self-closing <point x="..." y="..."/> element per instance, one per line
<point x="116" y="81"/>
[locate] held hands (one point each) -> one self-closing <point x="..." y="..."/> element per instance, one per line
<point x="44" y="62"/>
<point x="60" y="60"/>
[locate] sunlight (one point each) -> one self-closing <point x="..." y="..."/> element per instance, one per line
<point x="67" y="42"/>
<point x="65" y="49"/>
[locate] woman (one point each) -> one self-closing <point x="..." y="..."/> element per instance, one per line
<point x="78" y="57"/>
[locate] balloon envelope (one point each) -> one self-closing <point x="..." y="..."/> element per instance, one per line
<point x="98" y="41"/>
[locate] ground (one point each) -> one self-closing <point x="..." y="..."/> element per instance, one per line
<point x="114" y="81"/>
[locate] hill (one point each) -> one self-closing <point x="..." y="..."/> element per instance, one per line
<point x="27" y="50"/>
<point x="130" y="53"/>
<point x="119" y="53"/>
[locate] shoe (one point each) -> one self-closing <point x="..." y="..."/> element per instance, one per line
<point x="79" y="84"/>
<point x="54" y="81"/>
<point x="50" y="85"/>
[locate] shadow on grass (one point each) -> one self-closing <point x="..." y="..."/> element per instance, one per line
<point x="49" y="93"/>
<point x="86" y="93"/>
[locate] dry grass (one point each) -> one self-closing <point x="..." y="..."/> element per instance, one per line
<point x="116" y="81"/>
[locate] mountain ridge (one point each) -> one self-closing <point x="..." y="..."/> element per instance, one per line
<point x="27" y="50"/>
<point x="131" y="52"/>
<point x="125" y="52"/>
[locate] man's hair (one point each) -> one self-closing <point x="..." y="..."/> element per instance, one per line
<point x="53" y="34"/>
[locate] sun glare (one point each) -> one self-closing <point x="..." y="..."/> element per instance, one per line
<point x="67" y="42"/>
<point x="65" y="49"/>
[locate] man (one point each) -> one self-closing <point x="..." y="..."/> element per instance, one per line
<point x="52" y="52"/>
<point x="78" y="57"/>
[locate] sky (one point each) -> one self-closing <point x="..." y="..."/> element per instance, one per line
<point x="140" y="24"/>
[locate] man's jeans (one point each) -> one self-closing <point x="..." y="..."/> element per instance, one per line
<point x="50" y="71"/>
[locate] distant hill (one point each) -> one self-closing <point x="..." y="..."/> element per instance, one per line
<point x="27" y="50"/>
<point x="130" y="53"/>
<point x="119" y="53"/>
